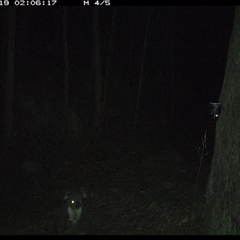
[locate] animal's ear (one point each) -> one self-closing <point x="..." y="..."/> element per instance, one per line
<point x="84" y="192"/>
<point x="66" y="196"/>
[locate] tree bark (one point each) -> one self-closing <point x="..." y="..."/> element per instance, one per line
<point x="223" y="191"/>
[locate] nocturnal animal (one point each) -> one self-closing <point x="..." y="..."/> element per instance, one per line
<point x="73" y="215"/>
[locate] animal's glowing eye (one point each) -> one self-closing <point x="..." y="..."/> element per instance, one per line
<point x="72" y="201"/>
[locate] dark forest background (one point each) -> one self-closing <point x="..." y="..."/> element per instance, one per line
<point x="96" y="92"/>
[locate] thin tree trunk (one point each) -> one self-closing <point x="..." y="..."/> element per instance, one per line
<point x="9" y="91"/>
<point x="66" y="64"/>
<point x="109" y="58"/>
<point x="131" y="44"/>
<point x="141" y="73"/>
<point x="97" y="69"/>
<point x="7" y="136"/>
<point x="172" y="58"/>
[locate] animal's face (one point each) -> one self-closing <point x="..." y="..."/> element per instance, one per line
<point x="74" y="201"/>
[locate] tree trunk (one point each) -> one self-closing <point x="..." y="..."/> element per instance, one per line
<point x="108" y="67"/>
<point x="97" y="68"/>
<point x="66" y="63"/>
<point x="141" y="78"/>
<point x="9" y="91"/>
<point x="7" y="135"/>
<point x="223" y="192"/>
<point x="172" y="59"/>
